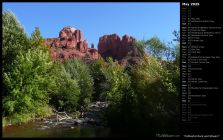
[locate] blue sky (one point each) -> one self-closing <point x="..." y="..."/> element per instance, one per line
<point x="140" y="20"/>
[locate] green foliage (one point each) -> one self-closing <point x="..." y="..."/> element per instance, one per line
<point x="20" y="118"/>
<point x="143" y="95"/>
<point x="36" y="38"/>
<point x="14" y="39"/>
<point x="43" y="111"/>
<point x="117" y="91"/>
<point x="151" y="100"/>
<point x="177" y="46"/>
<point x="110" y="80"/>
<point x="98" y="78"/>
<point x="156" y="87"/>
<point x="64" y="90"/>
<point x="177" y="60"/>
<point x="176" y="35"/>
<point x="4" y="121"/>
<point x="172" y="51"/>
<point x="117" y="81"/>
<point x="80" y="72"/>
<point x="72" y="87"/>
<point x="25" y="74"/>
<point x="155" y="47"/>
<point x="140" y="45"/>
<point x="26" y="84"/>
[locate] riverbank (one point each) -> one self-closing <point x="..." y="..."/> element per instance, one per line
<point x="90" y="123"/>
<point x="17" y="119"/>
<point x="92" y="116"/>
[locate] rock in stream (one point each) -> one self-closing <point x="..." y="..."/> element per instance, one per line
<point x="91" y="117"/>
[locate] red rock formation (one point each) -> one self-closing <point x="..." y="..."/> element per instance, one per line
<point x="112" y="45"/>
<point x="92" y="45"/>
<point x="93" y="53"/>
<point x="70" y="44"/>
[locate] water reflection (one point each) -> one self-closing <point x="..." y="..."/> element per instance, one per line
<point x="34" y="129"/>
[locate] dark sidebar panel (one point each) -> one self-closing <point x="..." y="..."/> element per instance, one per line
<point x="201" y="69"/>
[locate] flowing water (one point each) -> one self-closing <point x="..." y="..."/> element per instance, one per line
<point x="39" y="129"/>
<point x="89" y="125"/>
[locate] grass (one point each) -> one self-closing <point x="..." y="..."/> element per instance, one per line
<point x="23" y="118"/>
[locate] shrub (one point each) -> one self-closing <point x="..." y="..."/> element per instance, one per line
<point x="157" y="95"/>
<point x="98" y="77"/>
<point x="119" y="94"/>
<point x="155" y="47"/>
<point x="25" y="73"/>
<point x="117" y="81"/>
<point x="64" y="91"/>
<point x="27" y="83"/>
<point x="79" y="71"/>
<point x="151" y="100"/>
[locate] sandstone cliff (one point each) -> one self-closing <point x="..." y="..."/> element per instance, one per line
<point x="118" y="48"/>
<point x="70" y="44"/>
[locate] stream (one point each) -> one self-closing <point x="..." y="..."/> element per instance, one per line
<point x="89" y="125"/>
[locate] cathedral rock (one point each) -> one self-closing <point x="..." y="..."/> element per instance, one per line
<point x="70" y="44"/>
<point x="114" y="46"/>
<point x="121" y="49"/>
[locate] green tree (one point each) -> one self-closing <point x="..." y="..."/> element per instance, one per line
<point x="155" y="47"/>
<point x="172" y="51"/>
<point x="157" y="93"/>
<point x="118" y="92"/>
<point x="177" y="46"/>
<point x="36" y="38"/>
<point x="79" y="71"/>
<point x="117" y="81"/>
<point x="14" y="39"/>
<point x="177" y="60"/>
<point x="98" y="77"/>
<point x="176" y="35"/>
<point x="25" y="73"/>
<point x="140" y="45"/>
<point x="64" y="90"/>
<point x="27" y="83"/>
